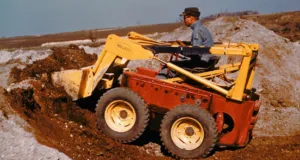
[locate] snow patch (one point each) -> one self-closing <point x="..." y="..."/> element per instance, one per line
<point x="92" y="50"/>
<point x="66" y="43"/>
<point x="23" y="55"/>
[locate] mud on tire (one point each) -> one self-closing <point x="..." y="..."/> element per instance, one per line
<point x="122" y="115"/>
<point x="188" y="131"/>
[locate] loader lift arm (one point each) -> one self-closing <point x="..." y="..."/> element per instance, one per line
<point x="119" y="51"/>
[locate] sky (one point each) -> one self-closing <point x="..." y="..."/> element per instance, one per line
<point x="37" y="17"/>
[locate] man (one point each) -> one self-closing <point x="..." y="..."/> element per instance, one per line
<point x="200" y="37"/>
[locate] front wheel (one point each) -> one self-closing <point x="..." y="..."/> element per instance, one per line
<point x="188" y="131"/>
<point x="122" y="115"/>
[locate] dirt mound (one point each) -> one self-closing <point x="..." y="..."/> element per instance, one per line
<point x="62" y="58"/>
<point x="278" y="69"/>
<point x="277" y="74"/>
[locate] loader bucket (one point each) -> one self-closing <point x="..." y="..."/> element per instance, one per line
<point x="74" y="81"/>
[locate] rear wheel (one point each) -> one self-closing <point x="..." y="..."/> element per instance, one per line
<point x="122" y="115"/>
<point x="188" y="131"/>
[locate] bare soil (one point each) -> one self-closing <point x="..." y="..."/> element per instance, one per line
<point x="264" y="148"/>
<point x="67" y="127"/>
<point x="72" y="130"/>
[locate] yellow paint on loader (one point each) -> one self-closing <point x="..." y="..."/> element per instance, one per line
<point x="119" y="51"/>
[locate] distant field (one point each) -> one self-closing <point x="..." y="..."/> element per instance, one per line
<point x="33" y="41"/>
<point x="286" y="24"/>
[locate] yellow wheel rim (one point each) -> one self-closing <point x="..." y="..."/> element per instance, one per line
<point x="120" y="116"/>
<point x="187" y="133"/>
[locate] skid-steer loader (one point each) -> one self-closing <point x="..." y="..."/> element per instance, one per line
<point x="198" y="113"/>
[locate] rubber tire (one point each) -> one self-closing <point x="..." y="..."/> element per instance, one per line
<point x="201" y="115"/>
<point x="139" y="106"/>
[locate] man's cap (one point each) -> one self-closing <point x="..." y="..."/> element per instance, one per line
<point x="191" y="11"/>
